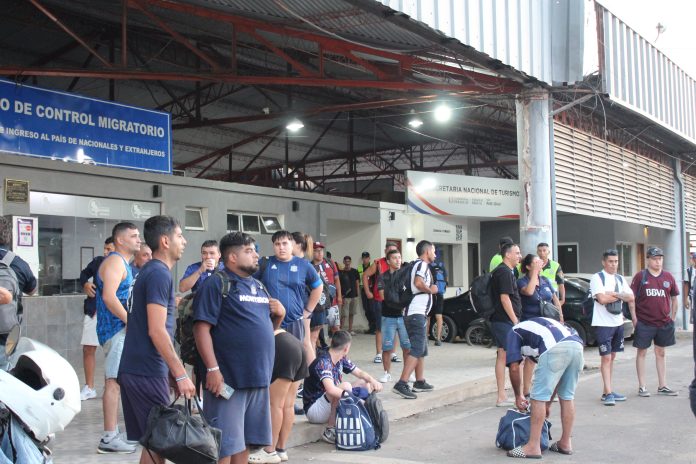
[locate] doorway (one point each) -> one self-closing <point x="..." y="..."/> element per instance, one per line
<point x="474" y="267"/>
<point x="568" y="257"/>
<point x="640" y="256"/>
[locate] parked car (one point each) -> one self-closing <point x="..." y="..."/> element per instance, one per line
<point x="461" y="320"/>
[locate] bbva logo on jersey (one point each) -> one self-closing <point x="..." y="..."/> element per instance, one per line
<point x="655" y="292"/>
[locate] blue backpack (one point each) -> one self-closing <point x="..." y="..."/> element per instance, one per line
<point x="513" y="430"/>
<point x="354" y="429"/>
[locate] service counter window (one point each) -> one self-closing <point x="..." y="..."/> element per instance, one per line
<point x="71" y="231"/>
<point x="253" y="223"/>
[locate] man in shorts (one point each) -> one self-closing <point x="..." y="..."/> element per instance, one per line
<point x="350" y="289"/>
<point x="89" y="340"/>
<point x="508" y="309"/>
<point x="235" y="339"/>
<point x="114" y="280"/>
<point x="365" y="263"/>
<point x="653" y="317"/>
<point x="416" y="322"/>
<point x="558" y="352"/>
<point x="149" y="363"/>
<point x="609" y="290"/>
<point x="329" y="273"/>
<point x="380" y="266"/>
<point x="392" y="321"/>
<point x="325" y="386"/>
<point x="287" y="278"/>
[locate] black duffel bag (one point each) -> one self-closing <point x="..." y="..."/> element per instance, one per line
<point x="182" y="438"/>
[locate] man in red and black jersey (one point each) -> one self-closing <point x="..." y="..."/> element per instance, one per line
<point x="653" y="317"/>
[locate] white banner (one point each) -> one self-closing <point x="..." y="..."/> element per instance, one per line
<point x="455" y="195"/>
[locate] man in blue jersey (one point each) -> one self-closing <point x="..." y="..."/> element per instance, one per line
<point x="557" y="350"/>
<point x="196" y="273"/>
<point x="149" y="363"/>
<point x="113" y="281"/>
<point x="288" y="278"/>
<point x="235" y="339"/>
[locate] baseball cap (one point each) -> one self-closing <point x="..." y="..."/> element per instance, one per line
<point x="318" y="245"/>
<point x="365" y="254"/>
<point x="655" y="251"/>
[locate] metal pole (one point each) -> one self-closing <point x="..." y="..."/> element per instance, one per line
<point x="679" y="261"/>
<point x="534" y="162"/>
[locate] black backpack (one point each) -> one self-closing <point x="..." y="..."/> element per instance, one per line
<point x="481" y="295"/>
<point x="9" y="312"/>
<point x="397" y="286"/>
<point x="379" y="417"/>
<point x="328" y="292"/>
<point x="184" y="323"/>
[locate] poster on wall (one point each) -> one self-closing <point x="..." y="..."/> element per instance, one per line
<point x="72" y="128"/>
<point x="25" y="232"/>
<point x="455" y="195"/>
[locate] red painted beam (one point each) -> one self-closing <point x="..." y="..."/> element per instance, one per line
<point x="473" y="89"/>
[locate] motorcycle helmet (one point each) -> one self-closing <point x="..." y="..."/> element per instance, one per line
<point x="40" y="388"/>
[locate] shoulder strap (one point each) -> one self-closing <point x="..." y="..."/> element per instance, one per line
<point x="601" y="277"/>
<point x="8" y="258"/>
<point x="225" y="283"/>
<point x="643" y="276"/>
<point x="262" y="287"/>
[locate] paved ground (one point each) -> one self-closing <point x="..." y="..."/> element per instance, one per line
<point x="459" y="373"/>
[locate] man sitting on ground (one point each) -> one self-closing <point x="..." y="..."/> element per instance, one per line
<point x="325" y="386"/>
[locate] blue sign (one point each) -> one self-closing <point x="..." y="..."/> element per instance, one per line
<point x="68" y="127"/>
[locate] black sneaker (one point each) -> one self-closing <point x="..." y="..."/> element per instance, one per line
<point x="422" y="386"/>
<point x="402" y="389"/>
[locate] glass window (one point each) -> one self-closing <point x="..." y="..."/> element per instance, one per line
<point x="625" y="254"/>
<point x="250" y="224"/>
<point x="232" y="222"/>
<point x="270" y="224"/>
<point x="194" y="219"/>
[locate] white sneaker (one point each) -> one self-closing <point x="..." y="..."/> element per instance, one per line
<point x="412" y="377"/>
<point x="386" y="377"/>
<point x="261" y="456"/>
<point x="378" y="359"/>
<point x="115" y="445"/>
<point x="87" y="393"/>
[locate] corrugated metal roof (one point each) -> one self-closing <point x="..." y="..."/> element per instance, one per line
<point x="542" y="38"/>
<point x="642" y="78"/>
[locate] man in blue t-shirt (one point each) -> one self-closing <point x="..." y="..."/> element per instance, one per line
<point x="325" y="386"/>
<point x="114" y="279"/>
<point x="196" y="273"/>
<point x="288" y="278"/>
<point x="149" y="360"/>
<point x="234" y="335"/>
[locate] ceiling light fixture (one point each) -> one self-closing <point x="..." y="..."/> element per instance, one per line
<point x="415" y="121"/>
<point x="294" y="125"/>
<point x="442" y="113"/>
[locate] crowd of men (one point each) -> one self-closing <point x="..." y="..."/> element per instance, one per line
<point x="258" y="322"/>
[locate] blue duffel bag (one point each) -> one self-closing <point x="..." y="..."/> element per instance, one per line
<point x="513" y="430"/>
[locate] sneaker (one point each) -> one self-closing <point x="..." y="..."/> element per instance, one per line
<point x="283" y="454"/>
<point x="618" y="397"/>
<point x="352" y="334"/>
<point x="412" y="377"/>
<point x="115" y="445"/>
<point x="124" y="437"/>
<point x="395" y="358"/>
<point x="666" y="391"/>
<point x="402" y="388"/>
<point x="299" y="411"/>
<point x="378" y="359"/>
<point x="261" y="456"/>
<point x="87" y="393"/>
<point x="329" y="435"/>
<point x="438" y="343"/>
<point x="422" y="386"/>
<point x="608" y="399"/>
<point x="386" y="377"/>
<point x="300" y="390"/>
<point x="642" y="391"/>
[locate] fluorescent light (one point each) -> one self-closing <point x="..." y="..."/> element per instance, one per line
<point x="442" y="113"/>
<point x="294" y="125"/>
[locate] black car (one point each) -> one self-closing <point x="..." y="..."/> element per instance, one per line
<point x="460" y="319"/>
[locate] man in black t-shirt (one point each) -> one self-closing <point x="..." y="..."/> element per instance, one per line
<point x="508" y="307"/>
<point x="350" y="288"/>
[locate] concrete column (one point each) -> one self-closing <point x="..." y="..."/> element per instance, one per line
<point x="534" y="161"/>
<point x="675" y="243"/>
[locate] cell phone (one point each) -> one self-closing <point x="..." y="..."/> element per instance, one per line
<point x="226" y="391"/>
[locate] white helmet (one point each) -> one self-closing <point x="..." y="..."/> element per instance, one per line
<point x="41" y="389"/>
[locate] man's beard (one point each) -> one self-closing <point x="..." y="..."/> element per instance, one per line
<point x="249" y="269"/>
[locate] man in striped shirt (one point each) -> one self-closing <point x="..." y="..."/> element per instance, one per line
<point x="557" y="350"/>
